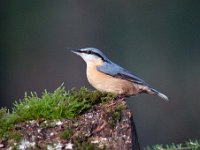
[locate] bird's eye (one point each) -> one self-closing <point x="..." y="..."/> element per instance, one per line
<point x="89" y="52"/>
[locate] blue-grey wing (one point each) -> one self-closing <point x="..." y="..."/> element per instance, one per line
<point x="115" y="70"/>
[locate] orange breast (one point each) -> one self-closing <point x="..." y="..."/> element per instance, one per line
<point x="107" y="83"/>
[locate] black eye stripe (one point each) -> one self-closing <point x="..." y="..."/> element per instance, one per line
<point x="87" y="52"/>
<point x="94" y="53"/>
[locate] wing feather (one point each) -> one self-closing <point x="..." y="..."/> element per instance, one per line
<point x="115" y="70"/>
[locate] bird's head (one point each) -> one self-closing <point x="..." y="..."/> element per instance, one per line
<point x="91" y="55"/>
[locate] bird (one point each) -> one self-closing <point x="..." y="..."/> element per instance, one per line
<point x="106" y="76"/>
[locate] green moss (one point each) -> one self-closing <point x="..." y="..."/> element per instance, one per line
<point x="15" y="136"/>
<point x="190" y="145"/>
<point x="84" y="145"/>
<point x="114" y="115"/>
<point x="57" y="105"/>
<point x="66" y="134"/>
<point x="7" y="121"/>
<point x="119" y="107"/>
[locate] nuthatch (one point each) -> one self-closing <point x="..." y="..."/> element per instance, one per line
<point x="106" y="76"/>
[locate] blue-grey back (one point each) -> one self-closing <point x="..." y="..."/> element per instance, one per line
<point x="115" y="70"/>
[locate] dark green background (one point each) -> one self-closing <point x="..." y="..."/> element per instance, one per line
<point x="157" y="40"/>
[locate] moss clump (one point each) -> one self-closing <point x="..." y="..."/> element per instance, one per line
<point x="57" y="105"/>
<point x="190" y="145"/>
<point x="15" y="136"/>
<point x="7" y="120"/>
<point x="114" y="115"/>
<point x="80" y="145"/>
<point x="66" y="134"/>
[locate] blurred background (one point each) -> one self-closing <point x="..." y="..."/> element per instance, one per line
<point x="157" y="40"/>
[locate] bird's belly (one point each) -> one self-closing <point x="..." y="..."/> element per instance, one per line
<point x="106" y="83"/>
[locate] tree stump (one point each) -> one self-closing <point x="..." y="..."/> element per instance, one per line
<point x="106" y="126"/>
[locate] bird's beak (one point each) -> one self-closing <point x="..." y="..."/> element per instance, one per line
<point x="75" y="50"/>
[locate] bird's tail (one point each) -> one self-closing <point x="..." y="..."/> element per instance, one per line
<point x="163" y="96"/>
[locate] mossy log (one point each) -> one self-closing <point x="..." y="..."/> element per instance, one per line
<point x="106" y="124"/>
